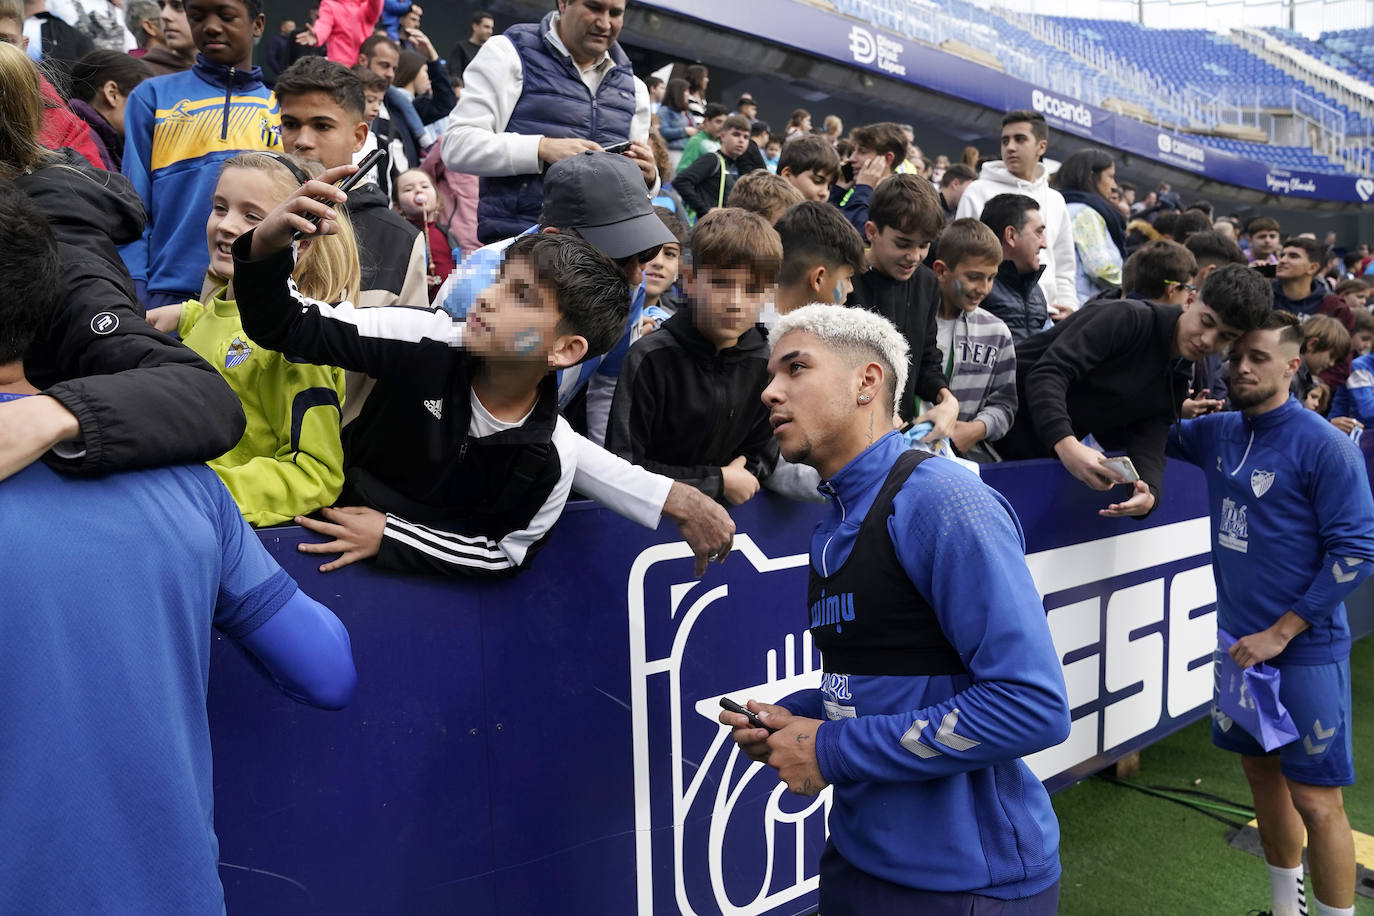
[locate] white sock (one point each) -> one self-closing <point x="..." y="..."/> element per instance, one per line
<point x="1324" y="910"/>
<point x="1285" y="889"/>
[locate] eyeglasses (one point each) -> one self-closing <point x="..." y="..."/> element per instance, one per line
<point x="1188" y="286"/>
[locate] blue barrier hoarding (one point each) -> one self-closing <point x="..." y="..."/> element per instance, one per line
<point x="548" y="744"/>
<point x="863" y="46"/>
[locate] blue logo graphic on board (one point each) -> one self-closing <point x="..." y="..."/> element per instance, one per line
<point x="716" y="832"/>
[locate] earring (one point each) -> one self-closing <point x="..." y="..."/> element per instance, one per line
<point x="863" y="399"/>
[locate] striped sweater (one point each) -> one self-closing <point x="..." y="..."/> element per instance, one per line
<point x="982" y="368"/>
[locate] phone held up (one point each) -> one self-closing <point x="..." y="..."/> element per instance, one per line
<point x="368" y="164"/>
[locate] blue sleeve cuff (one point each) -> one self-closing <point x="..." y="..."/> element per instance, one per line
<point x="264" y="601"/>
<point x="828" y="757"/>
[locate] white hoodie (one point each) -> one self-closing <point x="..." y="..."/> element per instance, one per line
<point x="1058" y="280"/>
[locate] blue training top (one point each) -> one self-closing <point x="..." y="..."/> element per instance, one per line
<point x="930" y="791"/>
<point x="108" y="588"/>
<point x="1293" y="522"/>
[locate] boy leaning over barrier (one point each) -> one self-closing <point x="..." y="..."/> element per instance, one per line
<point x="459" y="462"/>
<point x="979" y="356"/>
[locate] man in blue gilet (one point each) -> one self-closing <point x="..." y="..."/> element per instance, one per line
<point x="541" y="92"/>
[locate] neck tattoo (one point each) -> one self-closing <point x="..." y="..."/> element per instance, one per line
<point x="870" y="427"/>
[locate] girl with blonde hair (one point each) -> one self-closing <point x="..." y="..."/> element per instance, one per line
<point x="289" y="461"/>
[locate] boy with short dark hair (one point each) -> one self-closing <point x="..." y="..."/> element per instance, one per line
<point x="707" y="182"/>
<point x="1121" y="371"/>
<point x="904" y="218"/>
<point x="1298" y="290"/>
<point x="1017" y="297"/>
<point x="1264" y="240"/>
<point x="879" y="151"/>
<point x="1211" y="250"/>
<point x="459" y="463"/>
<point x="688" y="402"/>
<point x="1025" y="138"/>
<point x="979" y="355"/>
<point x="323" y="118"/>
<point x="1161" y="272"/>
<point x="178" y="130"/>
<point x="821" y="254"/>
<point x="810" y="164"/>
<point x="953" y="183"/>
<point x="707" y="138"/>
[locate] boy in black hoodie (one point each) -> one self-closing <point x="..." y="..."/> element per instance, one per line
<point x="688" y="402"/>
<point x="904" y="217"/>
<point x="1121" y="371"/>
<point x="706" y="183"/>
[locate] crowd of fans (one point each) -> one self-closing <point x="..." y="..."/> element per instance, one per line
<point x="563" y="277"/>
<point x="1049" y="311"/>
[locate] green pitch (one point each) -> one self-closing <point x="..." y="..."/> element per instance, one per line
<point x="1127" y="852"/>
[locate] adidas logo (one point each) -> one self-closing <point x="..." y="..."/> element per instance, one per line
<point x="435" y="407"/>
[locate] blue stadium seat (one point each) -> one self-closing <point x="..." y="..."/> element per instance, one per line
<point x="1191" y="62"/>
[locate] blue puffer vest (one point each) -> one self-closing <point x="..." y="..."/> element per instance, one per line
<point x="554" y="102"/>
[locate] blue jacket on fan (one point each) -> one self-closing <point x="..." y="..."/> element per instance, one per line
<point x="1356" y="397"/>
<point x="179" y="130"/>
<point x="554" y="102"/>
<point x="1292" y="522"/>
<point x="939" y="818"/>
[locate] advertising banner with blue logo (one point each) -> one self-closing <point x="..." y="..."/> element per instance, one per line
<point x="549" y="744"/>
<point x="830" y="35"/>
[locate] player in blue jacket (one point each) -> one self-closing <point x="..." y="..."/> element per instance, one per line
<point x="106" y="792"/>
<point x="940" y="673"/>
<point x="1293" y="534"/>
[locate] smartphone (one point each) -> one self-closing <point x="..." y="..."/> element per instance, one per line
<point x="1123" y="467"/>
<point x="847" y="173"/>
<point x="368" y="164"/>
<point x="617" y="148"/>
<point x="731" y="706"/>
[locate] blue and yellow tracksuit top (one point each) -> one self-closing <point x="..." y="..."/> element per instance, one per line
<point x="178" y="129"/>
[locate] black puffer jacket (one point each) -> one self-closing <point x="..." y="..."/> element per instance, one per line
<point x="142" y="398"/>
<point x="1018" y="300"/>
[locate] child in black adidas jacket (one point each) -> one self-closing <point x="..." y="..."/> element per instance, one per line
<point x="688" y="401"/>
<point x="459" y="462"/>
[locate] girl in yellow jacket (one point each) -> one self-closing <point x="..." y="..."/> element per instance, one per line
<point x="289" y="461"/>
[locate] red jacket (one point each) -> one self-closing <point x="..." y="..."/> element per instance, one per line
<point x="62" y="128"/>
<point x="344" y="25"/>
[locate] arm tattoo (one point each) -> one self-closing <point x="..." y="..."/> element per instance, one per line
<point x="806" y="788"/>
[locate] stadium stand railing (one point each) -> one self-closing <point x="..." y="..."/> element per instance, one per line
<point x="1302" y="59"/>
<point x="1226" y="93"/>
